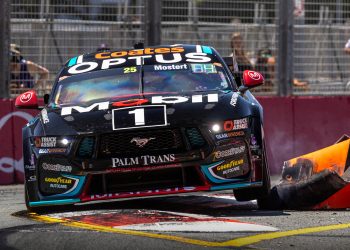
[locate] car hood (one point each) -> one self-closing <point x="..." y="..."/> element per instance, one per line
<point x="181" y="110"/>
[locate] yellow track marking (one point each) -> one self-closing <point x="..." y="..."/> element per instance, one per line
<point x="243" y="241"/>
<point x="83" y="225"/>
<point x="238" y="242"/>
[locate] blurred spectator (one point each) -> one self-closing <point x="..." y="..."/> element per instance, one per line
<point x="347" y="47"/>
<point x="238" y="54"/>
<point x="103" y="48"/>
<point x="347" y="51"/>
<point x="265" y="64"/>
<point x="24" y="73"/>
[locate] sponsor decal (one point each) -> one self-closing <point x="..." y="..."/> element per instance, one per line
<point x="143" y="116"/>
<point x="32" y="159"/>
<point x="56" y="150"/>
<point x="137" y="60"/>
<point x="181" y="99"/>
<point x="53" y="183"/>
<point x="210" y="98"/>
<point x="203" y="68"/>
<point x="75" y="60"/>
<point x="143" y="193"/>
<point x="29" y="167"/>
<point x="228" y="170"/>
<point x="59" y="186"/>
<point x="99" y="106"/>
<point x="25" y="97"/>
<point x="32" y="178"/>
<point x="231" y="164"/>
<point x="140" y="142"/>
<point x="51" y="150"/>
<point x="146" y="168"/>
<point x="45" y="142"/>
<point x="234" y="99"/>
<point x="43" y="151"/>
<point x="229" y="152"/>
<point x="229" y="135"/>
<point x="170" y="67"/>
<point x="254" y="75"/>
<point x="128" y="70"/>
<point x="142" y="160"/>
<point x="139" y="52"/>
<point x="253" y="143"/>
<point x="128" y="103"/>
<point x="58" y="180"/>
<point x="236" y="124"/>
<point x="45" y="116"/>
<point x="56" y="167"/>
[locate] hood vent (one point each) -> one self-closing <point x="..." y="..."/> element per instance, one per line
<point x="86" y="147"/>
<point x="195" y="138"/>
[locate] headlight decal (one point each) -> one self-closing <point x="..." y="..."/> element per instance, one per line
<point x="51" y="142"/>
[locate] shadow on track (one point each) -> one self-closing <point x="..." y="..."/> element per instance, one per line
<point x="217" y="205"/>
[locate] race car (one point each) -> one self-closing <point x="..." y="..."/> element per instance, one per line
<point x="146" y="122"/>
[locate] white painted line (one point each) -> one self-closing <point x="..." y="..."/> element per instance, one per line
<point x="200" y="226"/>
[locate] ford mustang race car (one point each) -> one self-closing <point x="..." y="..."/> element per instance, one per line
<point x="147" y="122"/>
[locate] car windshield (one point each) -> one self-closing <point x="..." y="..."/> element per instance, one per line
<point x="108" y="84"/>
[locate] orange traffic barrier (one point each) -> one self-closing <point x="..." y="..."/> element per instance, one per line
<point x="318" y="180"/>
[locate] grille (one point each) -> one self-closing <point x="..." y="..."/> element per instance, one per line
<point x="195" y="138"/>
<point x="86" y="147"/>
<point x="148" y="180"/>
<point x="168" y="140"/>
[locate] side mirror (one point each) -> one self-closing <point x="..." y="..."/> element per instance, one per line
<point x="27" y="100"/>
<point x="252" y="79"/>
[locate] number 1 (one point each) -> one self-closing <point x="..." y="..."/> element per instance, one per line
<point x="139" y="116"/>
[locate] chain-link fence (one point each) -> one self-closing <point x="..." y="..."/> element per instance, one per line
<point x="244" y="28"/>
<point x="49" y="32"/>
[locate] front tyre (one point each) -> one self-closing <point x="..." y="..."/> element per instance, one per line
<point x="260" y="193"/>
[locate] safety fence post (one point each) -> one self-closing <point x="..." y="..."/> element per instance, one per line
<point x="152" y="28"/>
<point x="4" y="45"/>
<point x="285" y="47"/>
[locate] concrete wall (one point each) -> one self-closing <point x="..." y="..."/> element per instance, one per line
<point x="298" y="125"/>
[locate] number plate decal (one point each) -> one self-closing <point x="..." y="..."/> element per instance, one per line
<point x="139" y="117"/>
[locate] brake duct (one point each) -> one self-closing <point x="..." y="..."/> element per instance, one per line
<point x="318" y="180"/>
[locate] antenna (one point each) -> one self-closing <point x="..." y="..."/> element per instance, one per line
<point x="139" y="45"/>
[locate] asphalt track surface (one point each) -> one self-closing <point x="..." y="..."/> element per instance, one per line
<point x="199" y="221"/>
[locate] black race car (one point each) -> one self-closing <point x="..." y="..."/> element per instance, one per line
<point x="145" y="122"/>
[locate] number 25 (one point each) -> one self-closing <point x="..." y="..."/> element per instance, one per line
<point x="129" y="70"/>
